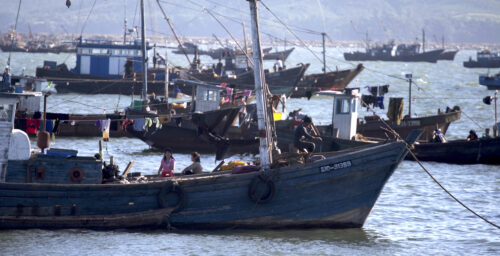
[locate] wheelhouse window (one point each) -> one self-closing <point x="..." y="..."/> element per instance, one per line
<point x="343" y="106"/>
<point x="5" y="113"/>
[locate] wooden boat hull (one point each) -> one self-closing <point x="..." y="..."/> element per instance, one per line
<point x="337" y="192"/>
<point x="277" y="81"/>
<point x="430" y="56"/>
<point x="201" y="132"/>
<point x="448" y="55"/>
<point x="494" y="63"/>
<point x="373" y="129"/>
<point x="483" y="151"/>
<point x="80" y="125"/>
<point x="283" y="55"/>
<point x="69" y="82"/>
<point x="335" y="80"/>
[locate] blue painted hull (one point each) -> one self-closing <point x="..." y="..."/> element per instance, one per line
<point x="336" y="192"/>
<point x="492" y="82"/>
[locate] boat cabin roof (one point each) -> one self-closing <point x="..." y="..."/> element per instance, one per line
<point x="94" y="43"/>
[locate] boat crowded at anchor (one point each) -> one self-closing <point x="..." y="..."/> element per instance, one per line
<point x="54" y="188"/>
<point x="228" y="109"/>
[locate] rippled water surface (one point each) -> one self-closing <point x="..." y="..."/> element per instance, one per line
<point x="413" y="216"/>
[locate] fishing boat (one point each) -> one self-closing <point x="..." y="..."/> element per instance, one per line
<point x="371" y="126"/>
<point x="484" y="59"/>
<point x="201" y="127"/>
<point x="100" y="69"/>
<point x="226" y="52"/>
<point x="280" y="81"/>
<point x="482" y="151"/>
<point x="45" y="191"/>
<point x="490" y="81"/>
<point x="395" y="52"/>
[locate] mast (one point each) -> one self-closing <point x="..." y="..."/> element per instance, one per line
<point x="125" y="31"/>
<point x="143" y="49"/>
<point x="423" y="40"/>
<point x="245" y="39"/>
<point x="324" y="53"/>
<point x="409" y="76"/>
<point x="15" y="32"/>
<point x="260" y="91"/>
<point x="167" y="79"/>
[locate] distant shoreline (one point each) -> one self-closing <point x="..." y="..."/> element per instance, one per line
<point x="58" y="38"/>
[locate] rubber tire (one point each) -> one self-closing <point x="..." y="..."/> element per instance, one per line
<point x="169" y="188"/>
<point x="253" y="187"/>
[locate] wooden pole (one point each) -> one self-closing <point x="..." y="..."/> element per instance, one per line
<point x="324" y="53"/>
<point x="15" y="33"/>
<point x="167" y="79"/>
<point x="143" y="49"/>
<point x="127" y="169"/>
<point x="260" y="91"/>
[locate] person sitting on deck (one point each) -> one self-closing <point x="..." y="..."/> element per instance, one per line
<point x="300" y="132"/>
<point x="167" y="164"/>
<point x="472" y="136"/>
<point x="195" y="167"/>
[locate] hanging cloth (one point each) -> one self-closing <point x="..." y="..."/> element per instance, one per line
<point x="395" y="110"/>
<point x="105" y="132"/>
<point x="139" y="124"/>
<point x="32" y="125"/>
<point x="380" y="102"/>
<point x="49" y="125"/>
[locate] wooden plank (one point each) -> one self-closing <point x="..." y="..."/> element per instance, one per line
<point x="129" y="166"/>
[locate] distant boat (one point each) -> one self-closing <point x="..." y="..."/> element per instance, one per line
<point x="485" y="59"/>
<point x="371" y="126"/>
<point x="491" y="81"/>
<point x="395" y="52"/>
<point x="100" y="69"/>
<point x="226" y="52"/>
<point x="482" y="151"/>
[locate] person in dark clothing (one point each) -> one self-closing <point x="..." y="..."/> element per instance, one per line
<point x="129" y="68"/>
<point x="472" y="136"/>
<point x="219" y="68"/>
<point x="300" y="133"/>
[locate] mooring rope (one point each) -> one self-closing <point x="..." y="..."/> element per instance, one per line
<point x="447" y="191"/>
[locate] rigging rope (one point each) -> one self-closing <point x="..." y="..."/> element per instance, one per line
<point x="85" y="23"/>
<point x="15" y="33"/>
<point x="234" y="39"/>
<point x="292" y="32"/>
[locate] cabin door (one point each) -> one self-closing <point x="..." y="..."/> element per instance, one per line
<point x="85" y="65"/>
